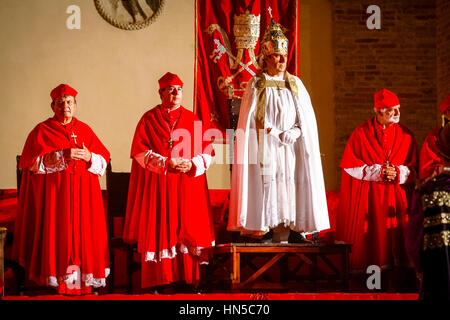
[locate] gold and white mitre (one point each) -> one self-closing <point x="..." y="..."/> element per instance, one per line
<point x="274" y="40"/>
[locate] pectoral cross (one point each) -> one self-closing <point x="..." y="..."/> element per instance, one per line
<point x="279" y="91"/>
<point x="170" y="141"/>
<point x="74" y="136"/>
<point x="386" y="163"/>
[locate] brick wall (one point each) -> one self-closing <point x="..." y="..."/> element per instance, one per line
<point x="443" y="49"/>
<point x="401" y="57"/>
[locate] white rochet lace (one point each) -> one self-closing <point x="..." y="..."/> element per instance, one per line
<point x="88" y="279"/>
<point x="172" y="252"/>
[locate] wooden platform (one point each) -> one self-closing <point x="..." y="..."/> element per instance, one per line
<point x="244" y="265"/>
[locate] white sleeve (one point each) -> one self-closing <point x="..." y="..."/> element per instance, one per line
<point x="275" y="133"/>
<point x="49" y="163"/>
<point x="98" y="164"/>
<point x="296" y="131"/>
<point x="201" y="163"/>
<point x="365" y="172"/>
<point x="152" y="161"/>
<point x="404" y="174"/>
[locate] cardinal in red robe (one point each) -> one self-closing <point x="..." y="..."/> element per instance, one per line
<point x="379" y="165"/>
<point x="168" y="212"/>
<point x="60" y="233"/>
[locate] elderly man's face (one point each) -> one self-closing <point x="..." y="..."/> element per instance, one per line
<point x="389" y="116"/>
<point x="171" y="96"/>
<point x="64" y="107"/>
<point x="276" y="64"/>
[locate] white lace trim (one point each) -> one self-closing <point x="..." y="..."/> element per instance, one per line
<point x="98" y="164"/>
<point x="373" y="173"/>
<point x="202" y="163"/>
<point x="172" y="252"/>
<point x="73" y="278"/>
<point x="365" y="172"/>
<point x="152" y="161"/>
<point x="50" y="163"/>
<point x="404" y="174"/>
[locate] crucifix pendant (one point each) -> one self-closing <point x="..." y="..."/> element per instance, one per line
<point x="279" y="91"/>
<point x="74" y="136"/>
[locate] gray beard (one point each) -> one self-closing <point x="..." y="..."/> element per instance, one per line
<point x="393" y="119"/>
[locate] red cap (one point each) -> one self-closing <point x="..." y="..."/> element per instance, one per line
<point x="61" y="90"/>
<point x="385" y="99"/>
<point x="169" y="79"/>
<point x="445" y="104"/>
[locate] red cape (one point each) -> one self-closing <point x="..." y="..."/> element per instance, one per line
<point x="50" y="136"/>
<point x="429" y="155"/>
<point x="60" y="219"/>
<point x="372" y="215"/>
<point x="166" y="212"/>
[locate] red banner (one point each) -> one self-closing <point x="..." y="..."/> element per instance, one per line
<point x="228" y="34"/>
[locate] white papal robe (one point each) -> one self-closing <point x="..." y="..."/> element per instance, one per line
<point x="289" y="188"/>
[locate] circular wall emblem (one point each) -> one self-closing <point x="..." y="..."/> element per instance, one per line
<point x="129" y="14"/>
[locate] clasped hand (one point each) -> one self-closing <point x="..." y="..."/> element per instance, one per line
<point x="288" y="137"/>
<point x="389" y="173"/>
<point x="180" y="165"/>
<point x="77" y="154"/>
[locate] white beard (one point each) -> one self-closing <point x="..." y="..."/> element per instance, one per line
<point x="392" y="119"/>
<point x="395" y="119"/>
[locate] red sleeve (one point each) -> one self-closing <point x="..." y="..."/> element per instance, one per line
<point x="141" y="140"/>
<point x="208" y="137"/>
<point x="352" y="153"/>
<point x="429" y="158"/>
<point x="41" y="140"/>
<point x="94" y="144"/>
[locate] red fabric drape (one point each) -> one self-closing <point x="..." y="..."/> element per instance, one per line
<point x="216" y="51"/>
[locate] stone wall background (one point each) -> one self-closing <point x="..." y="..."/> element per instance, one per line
<point x="401" y="57"/>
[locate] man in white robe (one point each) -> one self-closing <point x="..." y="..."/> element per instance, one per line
<point x="277" y="184"/>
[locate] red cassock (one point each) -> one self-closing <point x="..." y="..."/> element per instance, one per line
<point x="168" y="214"/>
<point x="430" y="158"/>
<point x="60" y="225"/>
<point x="372" y="215"/>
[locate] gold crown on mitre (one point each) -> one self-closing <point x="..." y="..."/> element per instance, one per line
<point x="274" y="40"/>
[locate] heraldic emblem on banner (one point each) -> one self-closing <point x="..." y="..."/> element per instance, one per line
<point x="228" y="54"/>
<point x="246" y="32"/>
